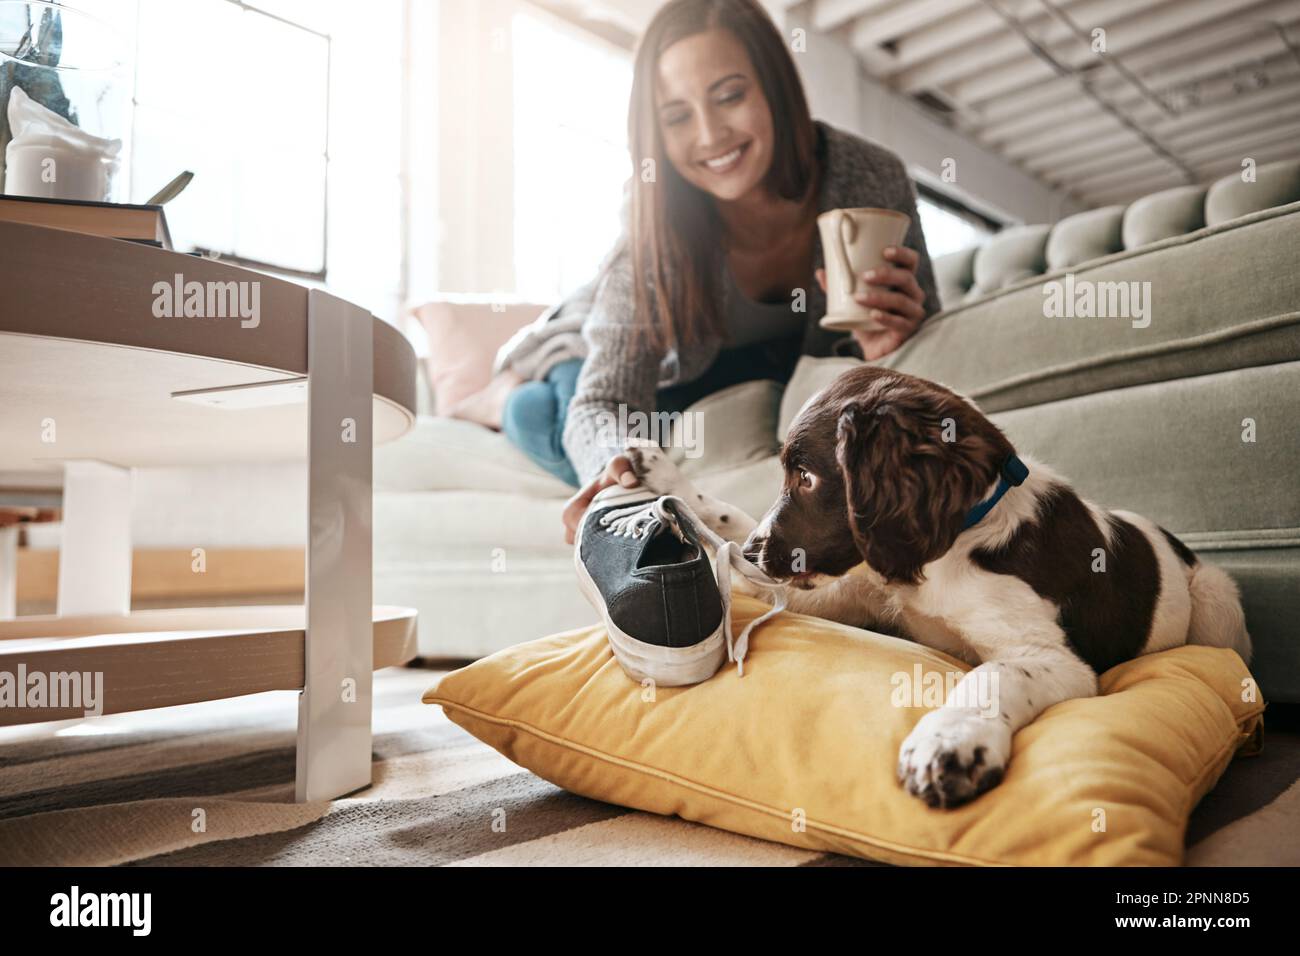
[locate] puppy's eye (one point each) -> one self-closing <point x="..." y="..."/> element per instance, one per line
<point x="805" y="479"/>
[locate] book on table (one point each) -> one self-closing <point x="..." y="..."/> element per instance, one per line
<point x="146" y="224"/>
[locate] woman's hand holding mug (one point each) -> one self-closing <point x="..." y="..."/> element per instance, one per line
<point x="895" y="298"/>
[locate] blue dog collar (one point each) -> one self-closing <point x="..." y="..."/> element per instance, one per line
<point x="1014" y="472"/>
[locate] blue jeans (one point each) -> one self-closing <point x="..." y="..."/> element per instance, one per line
<point x="534" y="418"/>
<point x="535" y="411"/>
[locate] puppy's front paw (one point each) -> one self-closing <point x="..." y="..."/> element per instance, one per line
<point x="953" y="755"/>
<point x="653" y="468"/>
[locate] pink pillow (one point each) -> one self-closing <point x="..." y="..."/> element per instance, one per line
<point x="463" y="343"/>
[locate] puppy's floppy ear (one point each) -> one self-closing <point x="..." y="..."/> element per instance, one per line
<point x="908" y="491"/>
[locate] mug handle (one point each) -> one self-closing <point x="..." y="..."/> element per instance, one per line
<point x="842" y="246"/>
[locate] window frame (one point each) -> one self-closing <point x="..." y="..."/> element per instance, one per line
<point x="949" y="203"/>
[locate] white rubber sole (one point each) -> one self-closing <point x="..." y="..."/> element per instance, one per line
<point x="666" y="666"/>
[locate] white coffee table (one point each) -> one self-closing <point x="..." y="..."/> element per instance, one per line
<point x="94" y="382"/>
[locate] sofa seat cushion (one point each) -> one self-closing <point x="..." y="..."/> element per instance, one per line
<point x="484" y="569"/>
<point x="466" y="525"/>
<point x="450" y="454"/>
<point x="727" y="429"/>
<point x="1221" y="298"/>
<point x="467" y="611"/>
<point x="1270" y="596"/>
<point x="752" y="486"/>
<point x="1176" y="452"/>
<point x="730" y="428"/>
<point x="802" y="750"/>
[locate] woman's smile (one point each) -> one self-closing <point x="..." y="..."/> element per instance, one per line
<point x="726" y="162"/>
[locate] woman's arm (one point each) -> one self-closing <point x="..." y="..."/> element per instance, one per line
<point x="619" y="375"/>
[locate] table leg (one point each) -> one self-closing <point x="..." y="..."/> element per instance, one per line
<point x="95" y="541"/>
<point x="334" y="711"/>
<point x="8" y="572"/>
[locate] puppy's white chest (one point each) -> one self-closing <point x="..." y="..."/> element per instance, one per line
<point x="937" y="633"/>
<point x="928" y="612"/>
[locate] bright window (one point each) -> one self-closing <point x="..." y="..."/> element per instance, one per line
<point x="570" y="154"/>
<point x="946" y="231"/>
<point x="240" y="97"/>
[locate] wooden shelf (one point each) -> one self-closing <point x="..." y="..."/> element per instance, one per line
<point x="179" y="656"/>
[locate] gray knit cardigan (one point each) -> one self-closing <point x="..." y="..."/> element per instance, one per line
<point x="620" y="371"/>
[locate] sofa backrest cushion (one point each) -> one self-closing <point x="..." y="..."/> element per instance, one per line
<point x="955" y="275"/>
<point x="1087" y="235"/>
<point x="1170" y="212"/>
<point x="1275" y="184"/>
<point x="1012" y="255"/>
<point x="463" y="342"/>
<point x="1022" y="252"/>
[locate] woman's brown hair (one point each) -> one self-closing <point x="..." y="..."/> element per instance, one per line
<point x="674" y="231"/>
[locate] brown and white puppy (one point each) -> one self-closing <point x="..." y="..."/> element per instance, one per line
<point x="1042" y="594"/>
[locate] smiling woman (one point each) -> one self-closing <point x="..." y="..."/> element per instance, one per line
<point x="716" y="277"/>
<point x="713" y="85"/>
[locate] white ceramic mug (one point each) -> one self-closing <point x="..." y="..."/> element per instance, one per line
<point x="853" y="241"/>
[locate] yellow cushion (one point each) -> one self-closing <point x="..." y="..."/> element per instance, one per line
<point x="802" y="749"/>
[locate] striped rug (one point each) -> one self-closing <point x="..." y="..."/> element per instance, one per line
<point x="212" y="785"/>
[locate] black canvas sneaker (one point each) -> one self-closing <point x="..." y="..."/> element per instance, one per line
<point x="642" y="563"/>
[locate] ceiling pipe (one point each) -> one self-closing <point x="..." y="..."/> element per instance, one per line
<point x="1111" y="60"/>
<point x="1070" y="73"/>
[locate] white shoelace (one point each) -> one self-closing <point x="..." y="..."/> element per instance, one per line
<point x="634" y="520"/>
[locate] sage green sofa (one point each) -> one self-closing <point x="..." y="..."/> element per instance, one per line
<point x="1149" y="419"/>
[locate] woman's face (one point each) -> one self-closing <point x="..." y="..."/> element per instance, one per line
<point x="715" y="121"/>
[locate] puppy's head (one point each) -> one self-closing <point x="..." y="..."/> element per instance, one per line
<point x="882" y="468"/>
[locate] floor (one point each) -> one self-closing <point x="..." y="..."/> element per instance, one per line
<point x="1251" y="784"/>
<point x="128" y="789"/>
